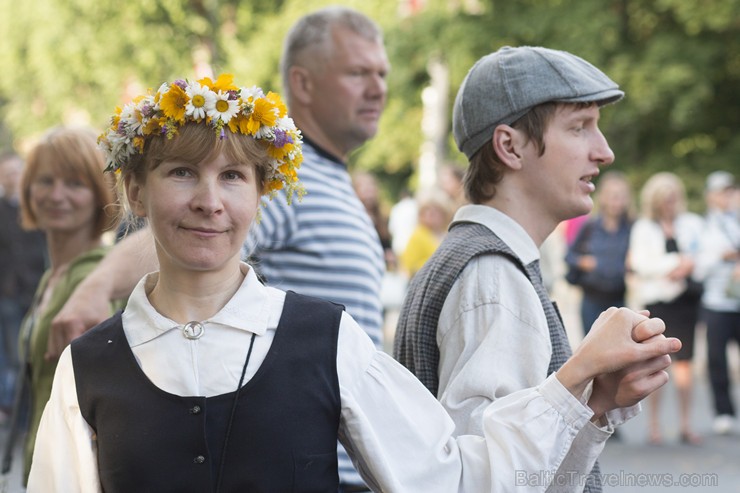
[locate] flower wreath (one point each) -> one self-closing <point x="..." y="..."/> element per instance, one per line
<point x="219" y="104"/>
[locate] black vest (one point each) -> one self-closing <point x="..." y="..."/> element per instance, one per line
<point x="284" y="433"/>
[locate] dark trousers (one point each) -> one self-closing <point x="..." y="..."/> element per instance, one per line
<point x="343" y="488"/>
<point x="721" y="328"/>
<point x="11" y="314"/>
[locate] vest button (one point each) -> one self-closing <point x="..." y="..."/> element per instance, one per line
<point x="195" y="410"/>
<point x="199" y="459"/>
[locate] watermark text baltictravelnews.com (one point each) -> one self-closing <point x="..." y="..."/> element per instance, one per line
<point x="621" y="478"/>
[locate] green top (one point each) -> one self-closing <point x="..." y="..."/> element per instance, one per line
<point x="38" y="326"/>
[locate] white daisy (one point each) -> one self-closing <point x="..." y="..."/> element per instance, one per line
<point x="265" y="132"/>
<point x="117" y="147"/>
<point x="131" y="118"/>
<point x="222" y="108"/>
<point x="286" y="123"/>
<point x="200" y="98"/>
<point x="253" y="92"/>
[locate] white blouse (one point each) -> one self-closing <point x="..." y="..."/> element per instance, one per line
<point x="399" y="436"/>
<point x="651" y="262"/>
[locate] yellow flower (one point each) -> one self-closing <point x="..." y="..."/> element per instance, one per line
<point x="153" y="126"/>
<point x="225" y="82"/>
<point x="239" y="124"/>
<point x="173" y="103"/>
<point x="279" y="153"/>
<point x="262" y="114"/>
<point x="274" y="185"/>
<point x="139" y="144"/>
<point x="274" y="98"/>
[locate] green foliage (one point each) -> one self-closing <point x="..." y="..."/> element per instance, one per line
<point x="677" y="60"/>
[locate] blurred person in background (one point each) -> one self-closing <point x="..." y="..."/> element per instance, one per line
<point x="402" y="220"/>
<point x="597" y="258"/>
<point x="572" y="226"/>
<point x="450" y="178"/>
<point x="718" y="262"/>
<point x="65" y="194"/>
<point x="22" y="262"/>
<point x="367" y="190"/>
<point x="434" y="215"/>
<point x="735" y="202"/>
<point x="662" y="255"/>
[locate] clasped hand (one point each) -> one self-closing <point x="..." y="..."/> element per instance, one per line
<point x="625" y="354"/>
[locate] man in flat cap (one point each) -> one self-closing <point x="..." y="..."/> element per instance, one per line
<point x="477" y="323"/>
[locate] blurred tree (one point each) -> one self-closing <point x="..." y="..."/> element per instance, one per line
<point x="678" y="61"/>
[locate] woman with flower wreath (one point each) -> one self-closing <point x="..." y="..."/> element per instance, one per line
<point x="211" y="381"/>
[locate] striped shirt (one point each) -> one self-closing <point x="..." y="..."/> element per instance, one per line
<point x="325" y="245"/>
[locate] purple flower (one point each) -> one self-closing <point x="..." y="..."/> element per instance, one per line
<point x="233" y="95"/>
<point x="281" y="138"/>
<point x="181" y="84"/>
<point x="147" y="110"/>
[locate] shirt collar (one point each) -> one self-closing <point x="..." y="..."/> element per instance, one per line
<point x="510" y="231"/>
<point x="248" y="310"/>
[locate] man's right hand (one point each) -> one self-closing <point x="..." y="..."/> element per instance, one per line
<point x="88" y="306"/>
<point x="113" y="279"/>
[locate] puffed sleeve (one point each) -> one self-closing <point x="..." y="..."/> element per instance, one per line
<point x="65" y="456"/>
<point x="401" y="438"/>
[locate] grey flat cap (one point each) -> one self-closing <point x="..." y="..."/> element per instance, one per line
<point x="502" y="86"/>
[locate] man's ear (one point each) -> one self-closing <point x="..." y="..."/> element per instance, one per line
<point x="507" y="143"/>
<point x="133" y="195"/>
<point x="301" y="84"/>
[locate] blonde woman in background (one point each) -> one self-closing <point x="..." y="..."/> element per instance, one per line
<point x="434" y="215"/>
<point x="663" y="245"/>
<point x="65" y="194"/>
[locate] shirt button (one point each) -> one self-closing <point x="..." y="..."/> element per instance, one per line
<point x="195" y="410"/>
<point x="199" y="459"/>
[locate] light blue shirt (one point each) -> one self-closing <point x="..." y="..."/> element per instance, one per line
<point x="323" y="246"/>
<point x="721" y="235"/>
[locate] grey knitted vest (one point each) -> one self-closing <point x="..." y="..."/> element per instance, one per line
<point x="415" y="344"/>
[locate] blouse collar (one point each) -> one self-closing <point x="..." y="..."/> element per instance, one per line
<point x="248" y="310"/>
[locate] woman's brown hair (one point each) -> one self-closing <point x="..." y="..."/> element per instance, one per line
<point x="72" y="152"/>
